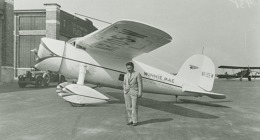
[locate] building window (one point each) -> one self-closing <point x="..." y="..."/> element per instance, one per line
<point x="25" y="58"/>
<point x="32" y="23"/>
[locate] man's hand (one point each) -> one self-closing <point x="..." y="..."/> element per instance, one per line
<point x="140" y="85"/>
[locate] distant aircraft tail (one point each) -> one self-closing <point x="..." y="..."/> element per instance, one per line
<point x="199" y="71"/>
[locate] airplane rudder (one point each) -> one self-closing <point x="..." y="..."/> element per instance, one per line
<point x="207" y="74"/>
<point x="199" y="70"/>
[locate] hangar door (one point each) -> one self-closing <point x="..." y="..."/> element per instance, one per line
<point x="26" y="59"/>
<point x="29" y="27"/>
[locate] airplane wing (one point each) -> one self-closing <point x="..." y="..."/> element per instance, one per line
<point x="125" y="39"/>
<point x="237" y="67"/>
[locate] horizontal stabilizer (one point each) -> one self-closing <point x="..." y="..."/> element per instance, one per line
<point x="80" y="94"/>
<point x="200" y="92"/>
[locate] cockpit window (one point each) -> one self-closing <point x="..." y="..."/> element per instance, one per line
<point x="72" y="41"/>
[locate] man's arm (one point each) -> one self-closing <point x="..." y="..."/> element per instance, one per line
<point x="124" y="84"/>
<point x="140" y="85"/>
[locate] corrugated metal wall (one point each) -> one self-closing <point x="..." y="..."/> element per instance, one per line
<point x="32" y="23"/>
<point x="27" y="43"/>
<point x="26" y="59"/>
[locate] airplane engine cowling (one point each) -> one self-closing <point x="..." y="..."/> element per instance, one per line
<point x="50" y="54"/>
<point x="51" y="64"/>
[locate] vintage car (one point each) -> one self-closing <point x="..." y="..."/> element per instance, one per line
<point x="39" y="78"/>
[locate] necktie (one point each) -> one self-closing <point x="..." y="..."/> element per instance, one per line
<point x="130" y="74"/>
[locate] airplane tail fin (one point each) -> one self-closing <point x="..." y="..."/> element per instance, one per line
<point x="198" y="70"/>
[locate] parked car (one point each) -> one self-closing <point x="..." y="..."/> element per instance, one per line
<point x="39" y="78"/>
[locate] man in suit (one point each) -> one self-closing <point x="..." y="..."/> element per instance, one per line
<point x="132" y="87"/>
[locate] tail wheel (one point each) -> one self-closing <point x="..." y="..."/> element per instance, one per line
<point x="39" y="82"/>
<point x="47" y="79"/>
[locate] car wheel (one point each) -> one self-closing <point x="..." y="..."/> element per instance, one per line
<point x="21" y="85"/>
<point x="47" y="79"/>
<point x="62" y="79"/>
<point x="39" y="82"/>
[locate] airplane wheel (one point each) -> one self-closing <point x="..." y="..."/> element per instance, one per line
<point x="249" y="78"/>
<point x="39" y="82"/>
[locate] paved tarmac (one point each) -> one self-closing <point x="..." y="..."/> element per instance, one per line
<point x="40" y="114"/>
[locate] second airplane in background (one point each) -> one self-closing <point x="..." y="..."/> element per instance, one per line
<point x="245" y="72"/>
<point x="100" y="57"/>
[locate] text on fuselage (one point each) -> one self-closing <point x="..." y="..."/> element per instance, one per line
<point x="158" y="77"/>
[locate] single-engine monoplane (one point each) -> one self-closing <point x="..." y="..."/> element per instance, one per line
<point x="100" y="57"/>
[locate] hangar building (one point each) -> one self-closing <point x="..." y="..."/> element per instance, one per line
<point x="31" y="25"/>
<point x="6" y="40"/>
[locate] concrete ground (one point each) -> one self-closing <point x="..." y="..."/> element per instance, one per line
<point x="40" y="114"/>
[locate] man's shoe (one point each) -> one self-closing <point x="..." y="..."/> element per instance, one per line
<point x="134" y="124"/>
<point x="129" y="123"/>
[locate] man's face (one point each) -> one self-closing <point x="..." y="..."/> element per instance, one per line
<point x="129" y="68"/>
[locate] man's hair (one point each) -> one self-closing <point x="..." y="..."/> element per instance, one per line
<point x="130" y="64"/>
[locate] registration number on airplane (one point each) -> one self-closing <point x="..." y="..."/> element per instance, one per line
<point x="207" y="74"/>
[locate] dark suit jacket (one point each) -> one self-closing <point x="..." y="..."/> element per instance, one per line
<point x="133" y="85"/>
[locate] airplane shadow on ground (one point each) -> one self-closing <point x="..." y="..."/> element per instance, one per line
<point x="155" y="121"/>
<point x="163" y="106"/>
<point x="207" y="103"/>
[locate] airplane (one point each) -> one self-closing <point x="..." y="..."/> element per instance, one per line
<point x="99" y="58"/>
<point x="246" y="72"/>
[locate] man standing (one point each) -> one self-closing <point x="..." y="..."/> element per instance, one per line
<point x="132" y="87"/>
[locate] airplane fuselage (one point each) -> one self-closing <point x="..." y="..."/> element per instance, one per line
<point x="101" y="73"/>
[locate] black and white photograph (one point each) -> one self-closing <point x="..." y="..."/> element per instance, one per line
<point x="129" y="69"/>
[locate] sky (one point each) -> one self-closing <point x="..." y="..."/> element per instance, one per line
<point x="228" y="30"/>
